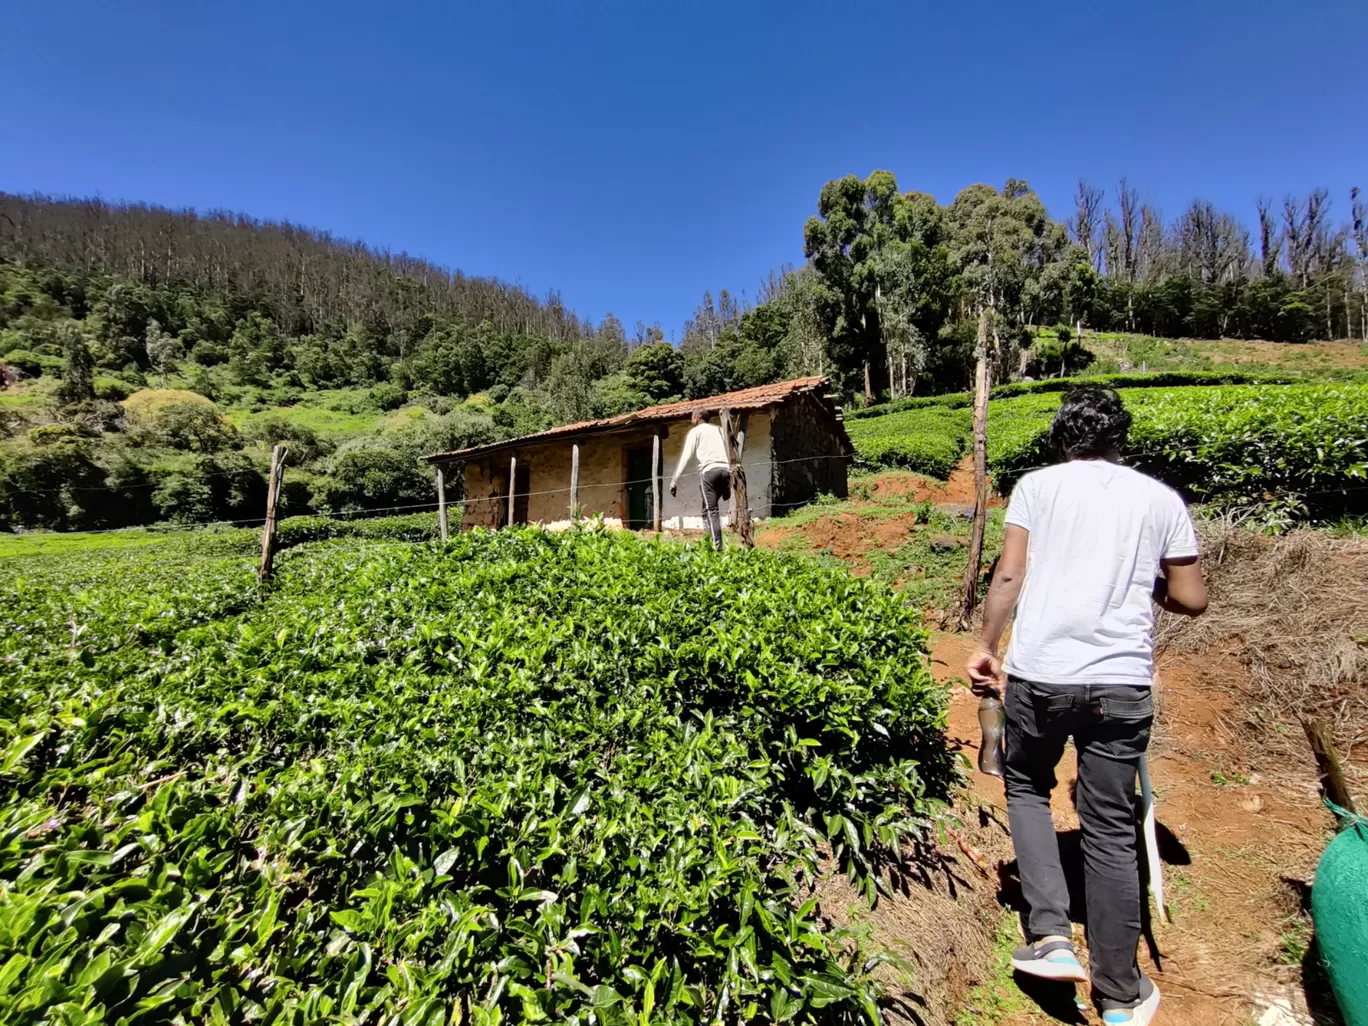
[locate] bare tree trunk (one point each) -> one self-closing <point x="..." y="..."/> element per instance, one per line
<point x="266" y="565"/>
<point x="735" y="446"/>
<point x="869" y="386"/>
<point x="969" y="594"/>
<point x="892" y="379"/>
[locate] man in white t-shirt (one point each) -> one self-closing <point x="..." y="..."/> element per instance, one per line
<point x="1089" y="543"/>
<point x="705" y="444"/>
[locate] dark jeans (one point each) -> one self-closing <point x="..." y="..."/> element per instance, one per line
<point x="715" y="484"/>
<point x="1110" y="726"/>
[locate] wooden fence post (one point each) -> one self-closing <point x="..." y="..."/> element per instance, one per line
<point x="655" y="481"/>
<point x="741" y="506"/>
<point x="1328" y="765"/>
<point x="512" y="486"/>
<point x="574" y="481"/>
<point x="268" y="530"/>
<point x="969" y="593"/>
<point x="441" y="504"/>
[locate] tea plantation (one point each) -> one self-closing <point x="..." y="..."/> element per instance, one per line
<point x="517" y="777"/>
<point x="1303" y="447"/>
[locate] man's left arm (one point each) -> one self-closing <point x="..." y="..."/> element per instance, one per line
<point x="984" y="665"/>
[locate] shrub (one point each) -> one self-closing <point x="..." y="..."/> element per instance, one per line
<point x="50" y="478"/>
<point x="208" y="354"/>
<point x="386" y="396"/>
<point x="32" y="365"/>
<point x="112" y="389"/>
<point x="424" y="435"/>
<point x="177" y="418"/>
<point x="368" y="475"/>
<point x="222" y="486"/>
<point x="304" y="443"/>
<point x="527" y="777"/>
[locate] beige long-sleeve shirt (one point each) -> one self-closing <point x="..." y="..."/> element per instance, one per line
<point x="704" y="443"/>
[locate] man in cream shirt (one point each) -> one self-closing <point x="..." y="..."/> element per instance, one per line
<point x="705" y="444"/>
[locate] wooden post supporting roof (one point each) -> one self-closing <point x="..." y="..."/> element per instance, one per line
<point x="574" y="481"/>
<point x="655" y="482"/>
<point x="441" y="503"/>
<point x="512" y="486"/>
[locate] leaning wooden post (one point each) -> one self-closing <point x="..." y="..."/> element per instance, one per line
<point x="512" y="486"/>
<point x="1328" y="765"/>
<point x="655" y="482"/>
<point x="969" y="595"/>
<point x="268" y="531"/>
<point x="741" y="506"/>
<point x="574" y="481"/>
<point x="441" y="504"/>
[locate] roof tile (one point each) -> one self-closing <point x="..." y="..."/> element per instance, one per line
<point x="746" y="399"/>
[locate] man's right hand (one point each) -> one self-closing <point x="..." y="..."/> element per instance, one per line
<point x="985" y="671"/>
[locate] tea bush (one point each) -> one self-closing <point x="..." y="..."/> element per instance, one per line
<point x="1134" y="379"/>
<point x="1236" y="445"/>
<point x="1230" y="445"/>
<point x="521" y="776"/>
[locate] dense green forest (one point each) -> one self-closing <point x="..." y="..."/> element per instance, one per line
<point x="151" y="357"/>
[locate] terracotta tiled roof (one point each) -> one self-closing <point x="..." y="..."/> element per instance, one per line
<point x="747" y="399"/>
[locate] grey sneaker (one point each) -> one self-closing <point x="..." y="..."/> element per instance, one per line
<point x="1141" y="1015"/>
<point x="1050" y="958"/>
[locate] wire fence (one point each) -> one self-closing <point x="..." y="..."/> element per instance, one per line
<point x="502" y="498"/>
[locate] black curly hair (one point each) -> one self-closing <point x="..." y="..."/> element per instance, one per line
<point x="1091" y="424"/>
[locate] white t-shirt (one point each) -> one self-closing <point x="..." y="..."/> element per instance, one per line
<point x="1097" y="533"/>
<point x="705" y="442"/>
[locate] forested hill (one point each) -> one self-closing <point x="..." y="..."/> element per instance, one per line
<point x="150" y="358"/>
<point x="306" y="280"/>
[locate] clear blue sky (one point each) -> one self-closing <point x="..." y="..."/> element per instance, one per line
<point x="632" y="154"/>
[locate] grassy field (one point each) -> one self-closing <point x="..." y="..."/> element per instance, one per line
<point x="1322" y="360"/>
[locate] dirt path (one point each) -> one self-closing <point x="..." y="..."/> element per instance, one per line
<point x="958" y="488"/>
<point x="1233" y="833"/>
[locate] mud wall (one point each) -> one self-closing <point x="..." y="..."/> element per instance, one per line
<point x="603" y="478"/>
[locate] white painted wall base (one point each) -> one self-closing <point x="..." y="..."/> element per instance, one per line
<point x="676" y="523"/>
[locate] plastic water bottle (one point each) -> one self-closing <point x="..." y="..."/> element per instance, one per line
<point x="993" y="722"/>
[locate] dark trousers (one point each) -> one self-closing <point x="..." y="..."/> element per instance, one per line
<point x="1110" y="726"/>
<point x="715" y="484"/>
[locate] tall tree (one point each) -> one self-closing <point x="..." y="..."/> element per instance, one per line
<point x="842" y="241"/>
<point x="1270" y="237"/>
<point x="1359" y="232"/>
<point x="1210" y="246"/>
<point x="1128" y="200"/>
<point x="1085" y="224"/>
<point x="78" y="370"/>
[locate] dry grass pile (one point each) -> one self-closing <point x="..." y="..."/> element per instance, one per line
<point x="1295" y="610"/>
